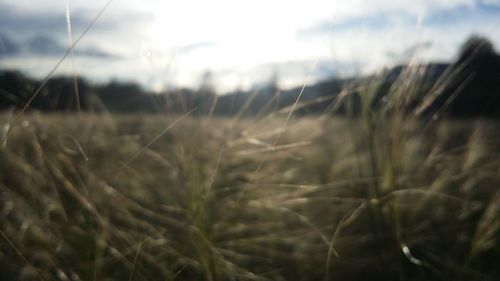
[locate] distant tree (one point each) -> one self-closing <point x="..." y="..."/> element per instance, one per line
<point x="479" y="78"/>
<point x="15" y="89"/>
<point x="207" y="84"/>
<point x="205" y="98"/>
<point x="472" y="87"/>
<point x="58" y="94"/>
<point x="274" y="83"/>
<point x="270" y="96"/>
<point x="125" y="97"/>
<point x="475" y="47"/>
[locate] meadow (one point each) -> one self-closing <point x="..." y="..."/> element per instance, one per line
<point x="276" y="197"/>
<point x="384" y="177"/>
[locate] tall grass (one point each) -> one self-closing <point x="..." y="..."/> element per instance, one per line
<point x="384" y="196"/>
<point x="381" y="194"/>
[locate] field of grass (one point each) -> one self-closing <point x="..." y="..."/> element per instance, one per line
<point x="153" y="197"/>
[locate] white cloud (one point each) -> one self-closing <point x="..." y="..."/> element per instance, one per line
<point x="491" y="2"/>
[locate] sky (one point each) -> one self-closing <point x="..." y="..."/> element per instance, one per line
<point x="167" y="44"/>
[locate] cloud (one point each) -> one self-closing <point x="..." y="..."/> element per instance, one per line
<point x="369" y="22"/>
<point x="409" y="52"/>
<point x="186" y="49"/>
<point x="95" y="53"/>
<point x="23" y="19"/>
<point x="8" y="47"/>
<point x="290" y="73"/>
<point x="491" y="2"/>
<point x="15" y="20"/>
<point x="376" y="15"/>
<point x="45" y="46"/>
<point x="362" y="8"/>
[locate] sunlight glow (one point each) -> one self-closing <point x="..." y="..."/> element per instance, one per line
<point x="223" y="34"/>
<point x="171" y="43"/>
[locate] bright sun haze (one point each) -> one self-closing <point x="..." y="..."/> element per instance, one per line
<point x="164" y="44"/>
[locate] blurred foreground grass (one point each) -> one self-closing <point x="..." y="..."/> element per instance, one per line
<point x="116" y="198"/>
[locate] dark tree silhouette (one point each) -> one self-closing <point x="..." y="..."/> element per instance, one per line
<point x="473" y="82"/>
<point x="15" y="89"/>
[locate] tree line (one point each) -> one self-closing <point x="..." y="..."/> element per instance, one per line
<point x="469" y="86"/>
